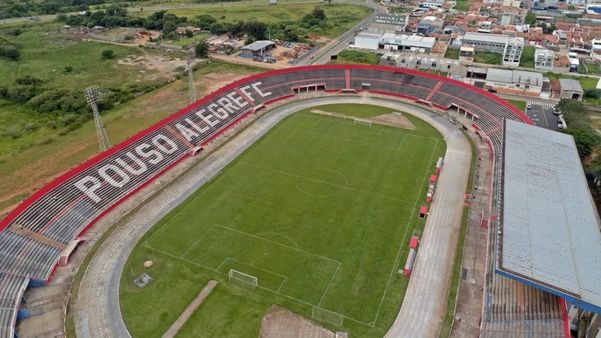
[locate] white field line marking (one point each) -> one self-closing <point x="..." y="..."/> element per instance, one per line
<point x="252" y="266"/>
<point x="276" y="243"/>
<point x="398" y="256"/>
<point x="277" y="234"/>
<point x="328" y="287"/>
<point x="281" y="285"/>
<point x="164" y="226"/>
<point x="383" y="129"/>
<point x="197" y="241"/>
<point x="324" y="182"/>
<point x="259" y="286"/>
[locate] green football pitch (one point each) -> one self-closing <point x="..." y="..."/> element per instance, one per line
<point x="320" y="211"/>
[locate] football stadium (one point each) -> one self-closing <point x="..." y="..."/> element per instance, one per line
<point x="317" y="201"/>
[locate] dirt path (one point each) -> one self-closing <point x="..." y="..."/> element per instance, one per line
<point x="189" y="311"/>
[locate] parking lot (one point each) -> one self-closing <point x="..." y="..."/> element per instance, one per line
<point x="542" y="115"/>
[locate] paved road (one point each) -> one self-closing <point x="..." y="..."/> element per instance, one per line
<point x="425" y="300"/>
<point x="324" y="54"/>
<point x="96" y="308"/>
<point x="542" y="114"/>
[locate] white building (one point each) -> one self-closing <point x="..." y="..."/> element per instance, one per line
<point x="543" y="59"/>
<point x="402" y="42"/>
<point x="510" y="48"/>
<point x="513" y="82"/>
<point x="596" y="49"/>
<point x="368" y="41"/>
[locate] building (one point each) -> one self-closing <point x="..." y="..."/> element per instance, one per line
<point x="510" y="48"/>
<point x="397" y="20"/>
<point x="466" y="54"/>
<point x="431" y="4"/>
<point x="383" y="28"/>
<point x="401" y="42"/>
<point x="484" y="27"/>
<point x="571" y="89"/>
<point x="429" y="24"/>
<point x="257" y="49"/>
<point x="515" y="82"/>
<point x="543" y="59"/>
<point x="596" y="49"/>
<point x="368" y="41"/>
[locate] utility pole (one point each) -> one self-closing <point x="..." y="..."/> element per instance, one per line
<point x="191" y="87"/>
<point x="93" y="96"/>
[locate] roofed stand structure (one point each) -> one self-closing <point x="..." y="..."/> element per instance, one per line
<point x="549" y="234"/>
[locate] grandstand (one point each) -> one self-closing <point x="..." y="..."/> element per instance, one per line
<point x="549" y="231"/>
<point x="40" y="228"/>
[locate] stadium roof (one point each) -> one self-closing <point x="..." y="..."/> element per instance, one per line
<point x="549" y="235"/>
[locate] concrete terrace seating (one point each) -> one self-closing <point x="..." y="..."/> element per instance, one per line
<point x="12" y="288"/>
<point x="33" y="235"/>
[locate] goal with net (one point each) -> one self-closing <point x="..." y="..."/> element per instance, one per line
<point x="327" y="316"/>
<point x="362" y="121"/>
<point x="243" y="279"/>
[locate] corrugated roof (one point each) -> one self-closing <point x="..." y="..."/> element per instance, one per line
<point x="258" y="45"/>
<point x="550" y="232"/>
<point x="514" y="76"/>
<point x="485" y="37"/>
<point x="571" y="85"/>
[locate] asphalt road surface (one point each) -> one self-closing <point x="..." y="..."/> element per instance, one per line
<point x="542" y="115"/>
<point x="97" y="310"/>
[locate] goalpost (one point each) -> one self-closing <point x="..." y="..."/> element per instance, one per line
<point x="362" y="121"/>
<point x="243" y="279"/>
<point x="327" y="316"/>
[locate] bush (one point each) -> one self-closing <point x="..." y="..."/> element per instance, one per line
<point x="107" y="54"/>
<point x="355" y="56"/>
<point x="9" y="52"/>
<point x="12" y="132"/>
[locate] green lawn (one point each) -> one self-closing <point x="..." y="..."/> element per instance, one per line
<point x="488" y="58"/>
<point x="340" y="17"/>
<point x="36" y="157"/>
<point x="452" y="53"/>
<point x="519" y="104"/>
<point x="527" y="59"/>
<point x="356" y="56"/>
<point x="320" y="210"/>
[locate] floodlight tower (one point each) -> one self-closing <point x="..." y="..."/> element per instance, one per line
<point x="93" y="96"/>
<point x="191" y="87"/>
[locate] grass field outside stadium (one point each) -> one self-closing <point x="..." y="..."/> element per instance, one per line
<point x="320" y="210"/>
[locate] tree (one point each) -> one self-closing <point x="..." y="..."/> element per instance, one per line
<point x="217" y="28"/>
<point x="205" y="21"/>
<point x="530" y="18"/>
<point x="319" y="14"/>
<point x="107" y="54"/>
<point x="202" y="49"/>
<point x="256" y="29"/>
<point x="169" y="27"/>
<point x="586" y="140"/>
